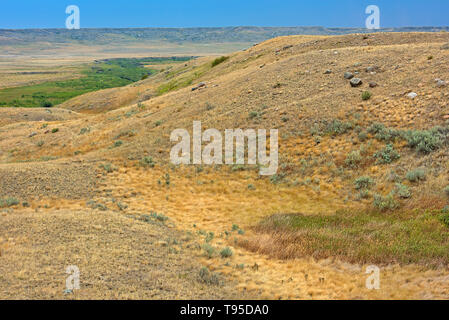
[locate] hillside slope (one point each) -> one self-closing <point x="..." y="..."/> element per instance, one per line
<point x="382" y="156"/>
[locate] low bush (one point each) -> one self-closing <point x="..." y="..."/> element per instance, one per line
<point x="353" y="159"/>
<point x="8" y="202"/>
<point x="363" y="183"/>
<point x="416" y="175"/>
<point x="385" y="203"/>
<point x="218" y="61"/>
<point x="387" y="155"/>
<point x="226" y="252"/>
<point x="403" y="191"/>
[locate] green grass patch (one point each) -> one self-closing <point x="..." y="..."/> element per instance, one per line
<point x="105" y="74"/>
<point x="363" y="237"/>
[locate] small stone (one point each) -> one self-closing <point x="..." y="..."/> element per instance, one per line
<point x="355" y="82"/>
<point x="328" y="71"/>
<point x="199" y="86"/>
<point x="412" y="95"/>
<point x="372" y="84"/>
<point x="32" y="134"/>
<point x="440" y="83"/>
<point x="372" y="69"/>
<point x="349" y="75"/>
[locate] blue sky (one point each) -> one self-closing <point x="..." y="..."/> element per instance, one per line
<point x="17" y="14"/>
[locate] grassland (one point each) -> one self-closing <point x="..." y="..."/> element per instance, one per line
<point x="363" y="178"/>
<point x="358" y="237"/>
<point x="102" y="75"/>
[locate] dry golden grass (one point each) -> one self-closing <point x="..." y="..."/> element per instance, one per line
<point x="283" y="81"/>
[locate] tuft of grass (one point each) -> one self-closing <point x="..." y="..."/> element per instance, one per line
<point x="55" y="130"/>
<point x="366" y="95"/>
<point x="209" y="250"/>
<point x="356" y="237"/>
<point x="444" y="218"/>
<point x="226" y="252"/>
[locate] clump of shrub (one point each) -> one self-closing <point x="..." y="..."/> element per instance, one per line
<point x="209" y="278"/>
<point x="353" y="159"/>
<point x="108" y="167"/>
<point x="118" y="143"/>
<point x="8" y="202"/>
<point x="403" y="191"/>
<point x="426" y="141"/>
<point x="147" y="162"/>
<point x="226" y="252"/>
<point x="363" y="194"/>
<point x="363" y="135"/>
<point x="96" y="205"/>
<point x="46" y="104"/>
<point x="366" y="95"/>
<point x="55" y="130"/>
<point x="40" y="143"/>
<point x="255" y="114"/>
<point x="416" y="175"/>
<point x="383" y="133"/>
<point x="446" y="191"/>
<point x="337" y="127"/>
<point x="158" y="216"/>
<point x="217" y="61"/>
<point x="277" y="178"/>
<point x="209" y="250"/>
<point x="387" y="155"/>
<point x="363" y="183"/>
<point x="385" y="203"/>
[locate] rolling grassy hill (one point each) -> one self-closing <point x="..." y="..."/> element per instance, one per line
<point x="363" y="175"/>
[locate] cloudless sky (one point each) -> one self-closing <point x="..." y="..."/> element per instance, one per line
<point x="18" y="14"/>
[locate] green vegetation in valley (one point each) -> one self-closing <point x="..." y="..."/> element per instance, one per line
<point x="364" y="237"/>
<point x="104" y="74"/>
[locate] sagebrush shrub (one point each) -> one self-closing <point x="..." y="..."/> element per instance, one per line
<point x="416" y="175"/>
<point x="363" y="183"/>
<point x="385" y="203"/>
<point x="387" y="155"/>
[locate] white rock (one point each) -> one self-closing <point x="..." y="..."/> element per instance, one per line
<point x="412" y="95"/>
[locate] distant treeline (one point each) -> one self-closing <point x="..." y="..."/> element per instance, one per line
<point x="180" y="35"/>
